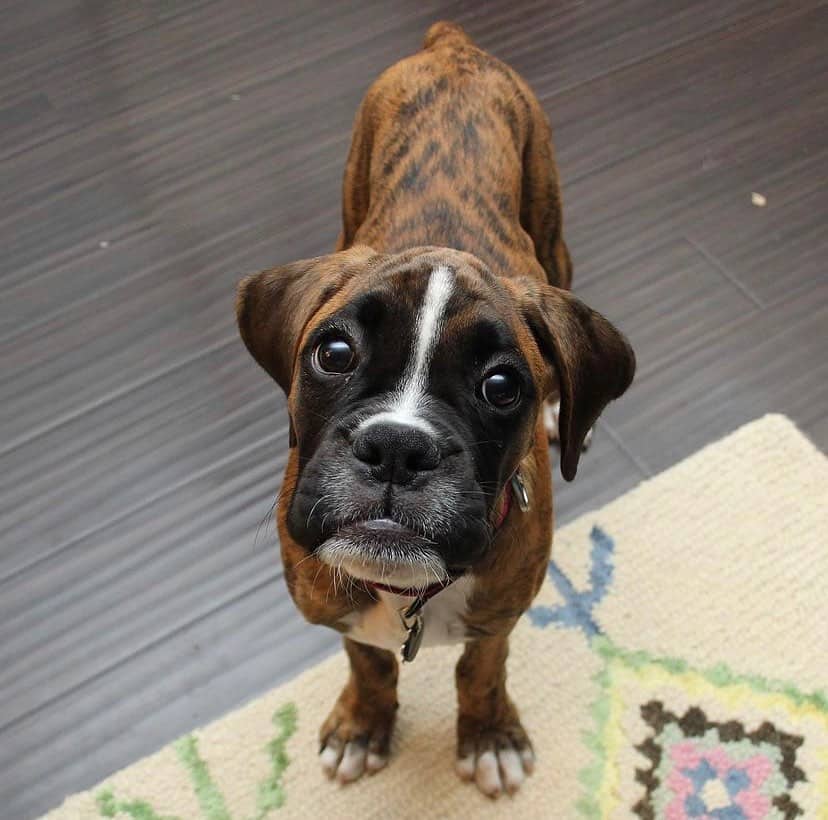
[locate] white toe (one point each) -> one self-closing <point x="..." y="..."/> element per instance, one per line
<point x="352" y="764"/>
<point x="464" y="766"/>
<point x="329" y="757"/>
<point x="374" y="762"/>
<point x="550" y="419"/>
<point x="487" y="774"/>
<point x="511" y="769"/>
<point x="527" y="758"/>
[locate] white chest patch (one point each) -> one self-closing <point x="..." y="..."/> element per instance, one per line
<point x="380" y="625"/>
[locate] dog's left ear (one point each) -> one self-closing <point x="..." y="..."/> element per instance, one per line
<point x="274" y="306"/>
<point x="594" y="362"/>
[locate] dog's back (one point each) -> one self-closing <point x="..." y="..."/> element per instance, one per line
<point x="451" y="148"/>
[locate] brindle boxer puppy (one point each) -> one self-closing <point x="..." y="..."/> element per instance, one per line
<point x="416" y="361"/>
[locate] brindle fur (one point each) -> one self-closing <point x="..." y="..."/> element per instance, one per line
<point x="367" y="706"/>
<point x="486" y="717"/>
<point x="451" y="149"/>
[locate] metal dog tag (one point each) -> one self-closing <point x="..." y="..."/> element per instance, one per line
<point x="412" y="621"/>
<point x="519" y="489"/>
<point x="415" y="637"/>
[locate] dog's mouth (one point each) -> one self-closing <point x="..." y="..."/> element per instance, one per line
<point x="384" y="551"/>
<point x="380" y="528"/>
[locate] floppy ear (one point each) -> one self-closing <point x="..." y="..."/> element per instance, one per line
<point x="594" y="362"/>
<point x="273" y="307"/>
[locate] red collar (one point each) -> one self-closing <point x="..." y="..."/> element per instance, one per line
<point x="413" y="592"/>
<point x="505" y="505"/>
<point x="514" y="484"/>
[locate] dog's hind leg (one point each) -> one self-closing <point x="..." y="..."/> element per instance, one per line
<point x="551" y="412"/>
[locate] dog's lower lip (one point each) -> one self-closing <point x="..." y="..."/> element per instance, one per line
<point x="381" y="524"/>
<point x="378" y="528"/>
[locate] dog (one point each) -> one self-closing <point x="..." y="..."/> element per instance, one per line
<point x="416" y="506"/>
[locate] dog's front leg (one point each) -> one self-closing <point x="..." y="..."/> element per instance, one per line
<point x="493" y="748"/>
<point x="356" y="737"/>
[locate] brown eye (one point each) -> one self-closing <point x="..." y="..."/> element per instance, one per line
<point x="334" y="355"/>
<point x="501" y="389"/>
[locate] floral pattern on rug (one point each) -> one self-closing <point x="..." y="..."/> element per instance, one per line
<point x="659" y="751"/>
<point x="703" y="768"/>
<point x="679" y="743"/>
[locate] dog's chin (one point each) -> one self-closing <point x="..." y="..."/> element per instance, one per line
<point x="384" y="552"/>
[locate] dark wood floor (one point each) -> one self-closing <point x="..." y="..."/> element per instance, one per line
<point x="153" y="152"/>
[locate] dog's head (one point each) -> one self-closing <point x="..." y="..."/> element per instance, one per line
<point x="414" y="383"/>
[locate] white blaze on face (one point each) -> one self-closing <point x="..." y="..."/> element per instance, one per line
<point x="409" y="396"/>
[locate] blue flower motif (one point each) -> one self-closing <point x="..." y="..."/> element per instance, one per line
<point x="577" y="611"/>
<point x="734" y="782"/>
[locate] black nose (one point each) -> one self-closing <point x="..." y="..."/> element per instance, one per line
<point x="396" y="452"/>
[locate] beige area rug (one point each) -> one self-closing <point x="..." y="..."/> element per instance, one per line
<point x="675" y="665"/>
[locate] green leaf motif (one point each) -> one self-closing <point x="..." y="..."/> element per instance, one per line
<point x="270" y="792"/>
<point x="108" y="806"/>
<point x="209" y="797"/>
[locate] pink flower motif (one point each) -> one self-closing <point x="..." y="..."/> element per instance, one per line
<point x="695" y="768"/>
<point x="754" y="804"/>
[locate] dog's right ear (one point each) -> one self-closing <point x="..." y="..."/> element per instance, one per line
<point x="274" y="306"/>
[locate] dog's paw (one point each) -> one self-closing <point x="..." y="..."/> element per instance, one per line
<point x="497" y="760"/>
<point x="551" y="412"/>
<point x="355" y="740"/>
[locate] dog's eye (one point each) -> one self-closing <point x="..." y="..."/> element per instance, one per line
<point x="501" y="389"/>
<point x="334" y="355"/>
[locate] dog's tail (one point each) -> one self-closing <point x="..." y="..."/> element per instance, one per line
<point x="445" y="33"/>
